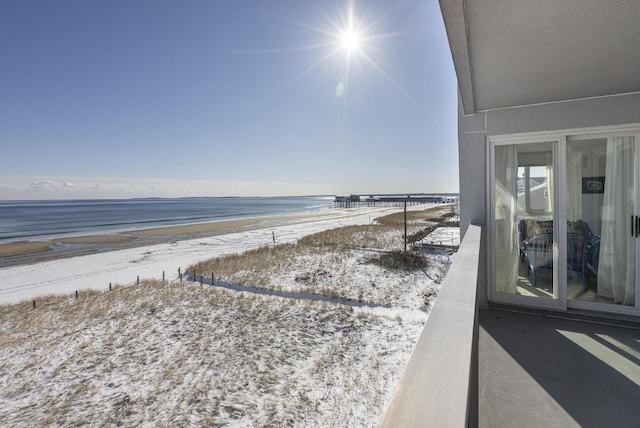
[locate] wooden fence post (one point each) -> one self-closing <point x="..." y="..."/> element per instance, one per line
<point x="200" y="280"/>
<point x="109" y="286"/>
<point x="163" y="277"/>
<point x="34" y="304"/>
<point x="138" y="280"/>
<point x="405" y="226"/>
<point x="212" y="282"/>
<point x="76" y="294"/>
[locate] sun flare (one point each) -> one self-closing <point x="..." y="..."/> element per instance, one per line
<point x="351" y="40"/>
<point x="348" y="39"/>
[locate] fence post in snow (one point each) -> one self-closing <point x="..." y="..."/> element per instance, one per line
<point x="138" y="280"/>
<point x="405" y="226"/>
<point x="163" y="277"/>
<point x="200" y="280"/>
<point x="76" y="294"/>
<point x="109" y="286"/>
<point x="34" y="304"/>
<point x="180" y="276"/>
<point x="212" y="282"/>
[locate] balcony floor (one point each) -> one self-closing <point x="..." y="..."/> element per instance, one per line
<point x="539" y="371"/>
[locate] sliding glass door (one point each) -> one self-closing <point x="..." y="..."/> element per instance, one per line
<point x="566" y="222"/>
<point x="601" y="206"/>
<point x="525" y="239"/>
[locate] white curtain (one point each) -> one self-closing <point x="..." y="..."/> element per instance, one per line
<point x="616" y="274"/>
<point x="506" y="193"/>
<point x="574" y="186"/>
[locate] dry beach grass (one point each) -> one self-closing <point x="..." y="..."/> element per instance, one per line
<point x="341" y="263"/>
<point x="266" y="348"/>
<point x="163" y="355"/>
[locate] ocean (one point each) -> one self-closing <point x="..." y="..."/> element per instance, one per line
<point x="26" y="220"/>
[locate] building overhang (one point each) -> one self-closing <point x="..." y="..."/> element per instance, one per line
<point x="511" y="54"/>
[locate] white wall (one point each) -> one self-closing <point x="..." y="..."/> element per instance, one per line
<point x="471" y="159"/>
<point x="471" y="166"/>
<point x="604" y="111"/>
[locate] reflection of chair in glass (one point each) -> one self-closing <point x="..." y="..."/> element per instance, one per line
<point x="540" y="256"/>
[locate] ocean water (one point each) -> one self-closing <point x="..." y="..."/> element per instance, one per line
<point x="26" y="220"/>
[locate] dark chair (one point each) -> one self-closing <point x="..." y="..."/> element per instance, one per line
<point x="577" y="258"/>
<point x="592" y="254"/>
<point x="527" y="229"/>
<point x="522" y="234"/>
<point x="540" y="256"/>
<point x="539" y="253"/>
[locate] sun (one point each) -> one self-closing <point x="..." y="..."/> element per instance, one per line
<point x="351" y="41"/>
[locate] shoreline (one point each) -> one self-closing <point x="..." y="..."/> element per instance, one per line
<point x="29" y="252"/>
<point x="80" y="264"/>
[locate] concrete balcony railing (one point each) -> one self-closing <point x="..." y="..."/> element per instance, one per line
<point x="439" y="385"/>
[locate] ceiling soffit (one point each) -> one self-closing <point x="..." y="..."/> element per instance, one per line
<point x="515" y="53"/>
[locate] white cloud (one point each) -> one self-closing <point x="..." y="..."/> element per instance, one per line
<point x="30" y="188"/>
<point x="44" y="184"/>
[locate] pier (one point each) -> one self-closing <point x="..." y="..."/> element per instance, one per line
<point x="353" y="201"/>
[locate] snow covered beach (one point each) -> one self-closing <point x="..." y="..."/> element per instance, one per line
<point x="240" y="354"/>
<point x="96" y="271"/>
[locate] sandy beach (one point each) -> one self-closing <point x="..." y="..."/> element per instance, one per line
<point x="26" y="252"/>
<point x="93" y="262"/>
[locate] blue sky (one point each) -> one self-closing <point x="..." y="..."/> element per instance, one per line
<point x="208" y="98"/>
